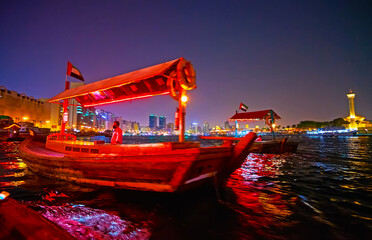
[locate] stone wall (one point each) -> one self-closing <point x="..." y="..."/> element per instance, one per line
<point x="23" y="108"/>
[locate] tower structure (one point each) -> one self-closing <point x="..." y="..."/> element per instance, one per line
<point x="351" y="95"/>
<point x="153" y="121"/>
<point x="356" y="122"/>
<point x="162" y="122"/>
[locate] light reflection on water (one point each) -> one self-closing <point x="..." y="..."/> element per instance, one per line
<point x="326" y="185"/>
<point x="322" y="192"/>
<point x="87" y="223"/>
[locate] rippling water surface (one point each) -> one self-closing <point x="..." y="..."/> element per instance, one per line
<point x="324" y="191"/>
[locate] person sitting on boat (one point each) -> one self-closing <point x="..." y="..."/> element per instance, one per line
<point x="117" y="136"/>
<point x="259" y="138"/>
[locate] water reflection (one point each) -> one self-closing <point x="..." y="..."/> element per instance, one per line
<point x="322" y="192"/>
<point x="263" y="206"/>
<point x="12" y="168"/>
<point x="87" y="223"/>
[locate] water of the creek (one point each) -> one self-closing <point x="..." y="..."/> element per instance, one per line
<point x="324" y="191"/>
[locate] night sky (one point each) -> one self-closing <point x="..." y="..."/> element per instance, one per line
<point x="297" y="57"/>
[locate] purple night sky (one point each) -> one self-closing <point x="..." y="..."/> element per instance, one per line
<point x="296" y="57"/>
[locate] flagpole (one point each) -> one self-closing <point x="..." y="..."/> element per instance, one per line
<point x="65" y="104"/>
<point x="236" y="125"/>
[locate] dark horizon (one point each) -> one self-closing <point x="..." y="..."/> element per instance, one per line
<point x="297" y="58"/>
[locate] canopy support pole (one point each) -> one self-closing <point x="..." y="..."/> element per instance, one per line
<point x="181" y="114"/>
<point x="272" y="122"/>
<point x="65" y="105"/>
<point x="236" y="128"/>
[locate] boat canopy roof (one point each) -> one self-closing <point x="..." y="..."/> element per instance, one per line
<point x="146" y="82"/>
<point x="257" y="115"/>
<point x="13" y="126"/>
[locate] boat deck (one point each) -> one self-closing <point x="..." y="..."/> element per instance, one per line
<point x="40" y="149"/>
<point x="84" y="148"/>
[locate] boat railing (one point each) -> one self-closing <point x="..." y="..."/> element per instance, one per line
<point x="61" y="137"/>
<point x="227" y="141"/>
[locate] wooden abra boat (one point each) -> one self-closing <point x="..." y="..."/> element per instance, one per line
<point x="274" y="146"/>
<point x="161" y="167"/>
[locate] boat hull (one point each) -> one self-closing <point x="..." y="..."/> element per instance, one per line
<point x="274" y="147"/>
<point x="164" y="171"/>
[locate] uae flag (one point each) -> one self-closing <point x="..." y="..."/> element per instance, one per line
<point x="243" y="107"/>
<point x="74" y="72"/>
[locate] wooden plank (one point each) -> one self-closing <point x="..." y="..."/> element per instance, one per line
<point x="181" y="145"/>
<point x="160" y="176"/>
<point x="135" y="185"/>
<point x="180" y="174"/>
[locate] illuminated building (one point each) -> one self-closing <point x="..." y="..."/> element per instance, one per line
<point x="42" y="114"/>
<point x="74" y="110"/>
<point x="170" y="127"/>
<point x="162" y="122"/>
<point x="153" y="121"/>
<point x="226" y="125"/>
<point x="130" y="126"/>
<point x="145" y="129"/>
<point x="356" y="122"/>
<point x="194" y="128"/>
<point x="23" y="108"/>
<point x="136" y="126"/>
<point x="206" y="128"/>
<point x="126" y="126"/>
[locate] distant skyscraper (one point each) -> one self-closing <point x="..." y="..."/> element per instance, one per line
<point x="227" y="125"/>
<point x="194" y="127"/>
<point x="170" y="127"/>
<point x="136" y="126"/>
<point x="162" y="122"/>
<point x="206" y="128"/>
<point x="153" y="121"/>
<point x="130" y="126"/>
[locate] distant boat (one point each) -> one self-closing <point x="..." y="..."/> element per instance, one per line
<point x="107" y="133"/>
<point x="338" y="132"/>
<point x="272" y="147"/>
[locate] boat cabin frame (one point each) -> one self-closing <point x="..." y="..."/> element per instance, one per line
<point x="175" y="78"/>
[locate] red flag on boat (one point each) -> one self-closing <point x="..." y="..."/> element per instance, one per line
<point x="74" y="72"/>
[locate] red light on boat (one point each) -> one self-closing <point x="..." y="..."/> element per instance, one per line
<point x="123" y="100"/>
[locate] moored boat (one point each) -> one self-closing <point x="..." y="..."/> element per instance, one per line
<point x="274" y="147"/>
<point x="161" y="167"/>
<point x="271" y="147"/>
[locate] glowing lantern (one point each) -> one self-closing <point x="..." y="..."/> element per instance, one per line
<point x="184" y="98"/>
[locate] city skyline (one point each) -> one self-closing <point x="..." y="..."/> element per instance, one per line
<point x="78" y="109"/>
<point x="299" y="59"/>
